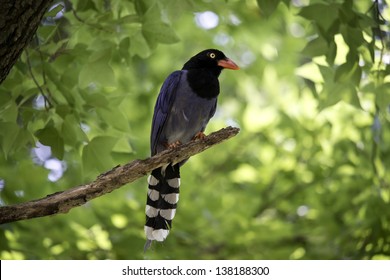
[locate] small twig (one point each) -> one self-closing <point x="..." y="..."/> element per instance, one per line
<point x="47" y="101"/>
<point x="60" y="51"/>
<point x="87" y="23"/>
<point x="62" y="202"/>
<point x="50" y="96"/>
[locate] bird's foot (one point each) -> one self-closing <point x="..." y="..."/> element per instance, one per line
<point x="200" y="135"/>
<point x="173" y="145"/>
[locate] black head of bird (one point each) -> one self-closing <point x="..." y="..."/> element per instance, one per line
<point x="204" y="69"/>
<point x="211" y="59"/>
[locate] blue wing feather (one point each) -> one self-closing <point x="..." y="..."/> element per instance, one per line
<point x="162" y="108"/>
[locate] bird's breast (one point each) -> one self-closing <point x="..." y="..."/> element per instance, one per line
<point x="188" y="117"/>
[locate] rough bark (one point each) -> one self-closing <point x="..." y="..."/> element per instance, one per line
<point x="62" y="202"/>
<point x="19" y="21"/>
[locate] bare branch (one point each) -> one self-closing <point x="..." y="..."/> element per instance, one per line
<point x="62" y="202"/>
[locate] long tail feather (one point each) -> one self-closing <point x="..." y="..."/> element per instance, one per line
<point x="163" y="195"/>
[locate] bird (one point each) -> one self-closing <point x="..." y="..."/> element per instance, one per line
<point x="186" y="102"/>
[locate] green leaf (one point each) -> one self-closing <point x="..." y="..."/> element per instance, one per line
<point x="333" y="93"/>
<point x="8" y="132"/>
<point x="310" y="71"/>
<point x="9" y="112"/>
<point x="350" y="95"/>
<point x="94" y="99"/>
<point x="366" y="22"/>
<point x="124" y="50"/>
<point x="114" y="118"/>
<point x="348" y="72"/>
<point x="331" y="53"/>
<point x="327" y="73"/>
<point x="129" y="19"/>
<point x="150" y="10"/>
<point x="267" y="7"/>
<point x="382" y="96"/>
<point x="323" y="15"/>
<point x="64" y="93"/>
<point x="352" y="36"/>
<point x="97" y="154"/>
<point x="49" y="136"/>
<point x="72" y="132"/>
<point x="123" y="146"/>
<point x="46" y="32"/>
<point x="85" y="5"/>
<point x="53" y="12"/>
<point x="142" y="6"/>
<point x="155" y="29"/>
<point x="160" y="31"/>
<point x="316" y="47"/>
<point x="97" y="70"/>
<point x="139" y="46"/>
<point x="347" y="14"/>
<point x="330" y="95"/>
<point x="63" y="110"/>
<point x="101" y="51"/>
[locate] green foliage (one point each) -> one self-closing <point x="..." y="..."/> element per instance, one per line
<point x="307" y="177"/>
<point x="268" y="7"/>
<point x="96" y="154"/>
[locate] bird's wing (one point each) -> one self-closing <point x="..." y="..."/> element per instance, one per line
<point x="213" y="110"/>
<point x="163" y="107"/>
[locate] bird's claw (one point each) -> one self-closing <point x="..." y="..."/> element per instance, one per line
<point x="173" y="145"/>
<point x="200" y="135"/>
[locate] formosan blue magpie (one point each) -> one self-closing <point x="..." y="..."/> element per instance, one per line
<point x="185" y="104"/>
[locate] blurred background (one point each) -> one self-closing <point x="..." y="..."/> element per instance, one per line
<point x="306" y="178"/>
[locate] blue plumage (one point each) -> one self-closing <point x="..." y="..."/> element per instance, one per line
<point x="179" y="113"/>
<point x="186" y="103"/>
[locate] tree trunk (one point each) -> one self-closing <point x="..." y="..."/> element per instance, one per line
<point x="19" y="20"/>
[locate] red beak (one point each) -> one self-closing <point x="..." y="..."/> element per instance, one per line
<point x="228" y="64"/>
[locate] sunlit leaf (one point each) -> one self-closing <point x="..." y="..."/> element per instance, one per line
<point x="310" y="71"/>
<point x="49" y="136"/>
<point x="96" y="154"/>
<point x="346" y="72"/>
<point x="98" y="72"/>
<point x="382" y="97"/>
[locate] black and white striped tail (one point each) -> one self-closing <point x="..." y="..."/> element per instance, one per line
<point x="163" y="195"/>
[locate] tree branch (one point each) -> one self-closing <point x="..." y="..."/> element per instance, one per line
<point x="62" y="202"/>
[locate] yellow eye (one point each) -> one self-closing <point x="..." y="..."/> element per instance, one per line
<point x="212" y="55"/>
